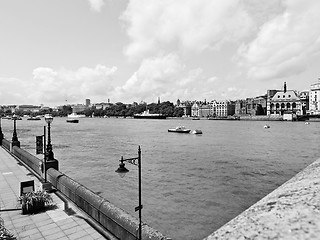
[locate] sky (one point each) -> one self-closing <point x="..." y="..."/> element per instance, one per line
<point x="63" y="52"/>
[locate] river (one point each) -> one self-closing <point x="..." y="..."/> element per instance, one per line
<point x="191" y="184"/>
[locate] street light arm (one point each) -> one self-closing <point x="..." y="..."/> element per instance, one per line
<point x="133" y="161"/>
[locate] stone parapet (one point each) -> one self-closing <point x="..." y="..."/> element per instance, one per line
<point x="292" y="211"/>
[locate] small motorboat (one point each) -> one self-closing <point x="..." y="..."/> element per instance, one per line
<point x="179" y="129"/>
<point x="72" y="120"/>
<point x="197" y="131"/>
<point x="266" y="126"/>
<point x="306" y="123"/>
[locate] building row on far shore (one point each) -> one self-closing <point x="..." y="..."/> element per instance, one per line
<point x="273" y="103"/>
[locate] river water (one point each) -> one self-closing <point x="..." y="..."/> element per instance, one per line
<point x="191" y="184"/>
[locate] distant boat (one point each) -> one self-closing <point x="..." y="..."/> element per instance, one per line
<point x="306" y="123"/>
<point x="75" y="115"/>
<point x="197" y="131"/>
<point x="195" y="118"/>
<point x="266" y="126"/>
<point x="179" y="129"/>
<point x="72" y="120"/>
<point x="34" y="118"/>
<point x="147" y="115"/>
<point x="314" y="119"/>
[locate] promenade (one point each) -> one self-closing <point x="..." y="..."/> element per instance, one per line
<point x="54" y="223"/>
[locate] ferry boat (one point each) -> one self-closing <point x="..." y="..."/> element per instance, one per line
<point x="34" y="118"/>
<point x="179" y="129"/>
<point x="147" y="115"/>
<point x="75" y="115"/>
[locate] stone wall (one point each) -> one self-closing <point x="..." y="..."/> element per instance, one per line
<point x="292" y="211"/>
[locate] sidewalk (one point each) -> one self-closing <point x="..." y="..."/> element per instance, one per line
<point x="51" y="224"/>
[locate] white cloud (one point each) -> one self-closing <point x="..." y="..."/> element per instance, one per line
<point x="13" y="90"/>
<point x="166" y="77"/>
<point x="54" y="87"/>
<point x="156" y="27"/>
<point x="286" y="44"/>
<point x="96" y="5"/>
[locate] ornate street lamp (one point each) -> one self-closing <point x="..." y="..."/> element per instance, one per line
<point x="122" y="170"/>
<point x="49" y="154"/>
<point x="15" y="141"/>
<point x="1" y="134"/>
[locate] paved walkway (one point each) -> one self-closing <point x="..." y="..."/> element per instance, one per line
<point x="51" y="224"/>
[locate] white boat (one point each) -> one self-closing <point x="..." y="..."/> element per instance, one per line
<point x="75" y="115"/>
<point x="179" y="129"/>
<point x="147" y="115"/>
<point x="34" y="118"/>
<point x="197" y="131"/>
<point x="266" y="126"/>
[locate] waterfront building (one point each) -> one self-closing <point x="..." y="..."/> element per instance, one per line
<point x="202" y="109"/>
<point x="78" y="108"/>
<point x="102" y="105"/>
<point x="195" y="109"/>
<point x="256" y="106"/>
<point x="186" y="106"/>
<point x="314" y="98"/>
<point x="284" y="102"/>
<point x="88" y="102"/>
<point x="205" y="110"/>
<point x="304" y="97"/>
<point x="224" y="108"/>
<point x="240" y="107"/>
<point x="28" y="108"/>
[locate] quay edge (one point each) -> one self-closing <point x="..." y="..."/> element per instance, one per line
<point x="101" y="213"/>
<point x="292" y="211"/>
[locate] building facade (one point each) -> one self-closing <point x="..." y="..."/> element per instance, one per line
<point x="223" y="108"/>
<point x="314" y="98"/>
<point x="284" y="102"/>
<point x="186" y="106"/>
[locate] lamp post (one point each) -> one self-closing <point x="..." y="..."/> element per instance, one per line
<point x="1" y="134"/>
<point x="49" y="154"/>
<point x="15" y="141"/>
<point x="122" y="170"/>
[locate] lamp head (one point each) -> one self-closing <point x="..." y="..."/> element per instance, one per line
<point x="122" y="170"/>
<point x="48" y="118"/>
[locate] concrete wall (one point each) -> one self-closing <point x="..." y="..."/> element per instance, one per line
<point x="6" y="144"/>
<point x="292" y="211"/>
<point x="262" y="118"/>
<point x="121" y="224"/>
<point x="115" y="220"/>
<point x="32" y="161"/>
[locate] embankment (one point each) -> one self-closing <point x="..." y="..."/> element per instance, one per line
<point x="115" y="220"/>
<point x="292" y="211"/>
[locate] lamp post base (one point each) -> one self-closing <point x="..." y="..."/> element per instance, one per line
<point x="52" y="164"/>
<point x="15" y="143"/>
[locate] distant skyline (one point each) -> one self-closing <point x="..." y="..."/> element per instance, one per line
<point x="57" y="52"/>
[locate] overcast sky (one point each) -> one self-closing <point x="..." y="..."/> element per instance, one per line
<point x="53" y="52"/>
